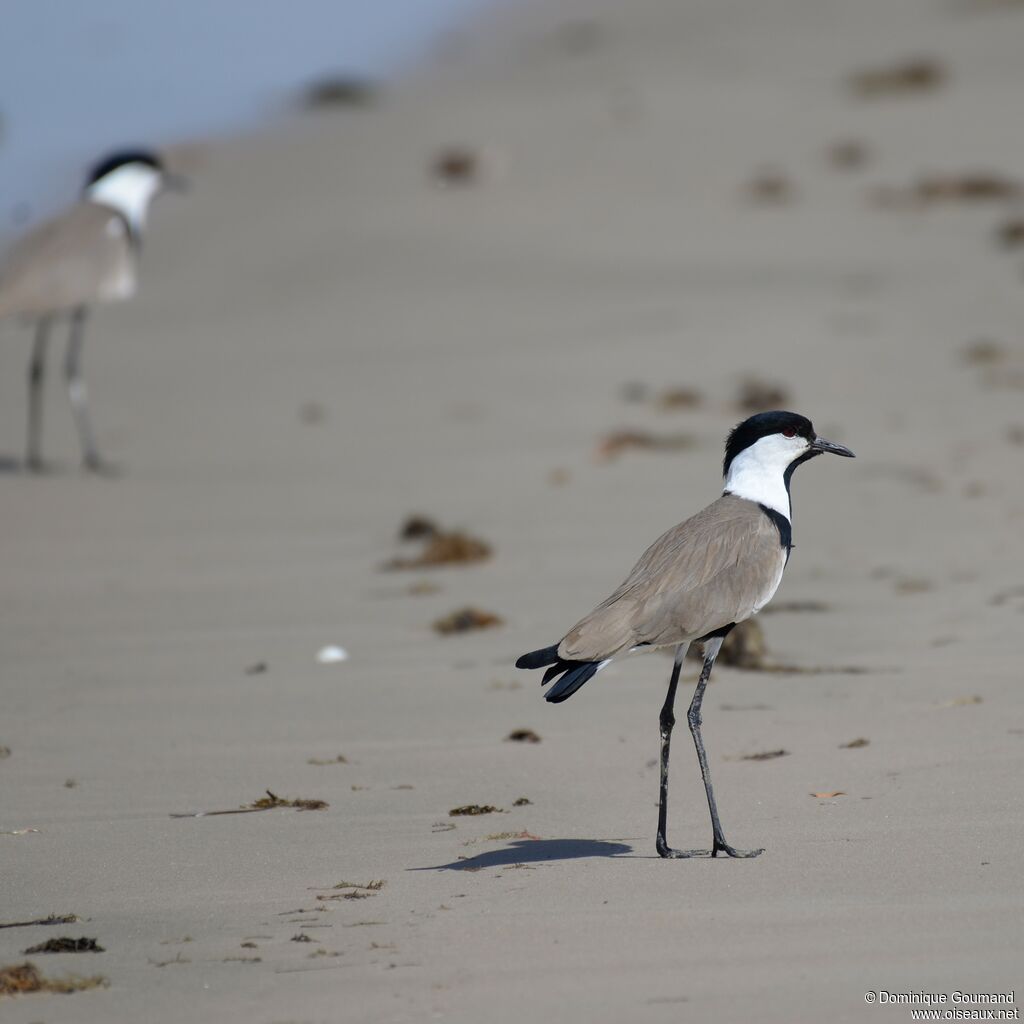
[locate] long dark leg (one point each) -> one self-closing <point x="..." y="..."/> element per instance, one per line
<point x="77" y="393"/>
<point x="711" y="648"/>
<point x="36" y="374"/>
<point x="668" y="719"/>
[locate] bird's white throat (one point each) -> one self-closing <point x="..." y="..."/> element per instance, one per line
<point x="758" y="473"/>
<point x="129" y="190"/>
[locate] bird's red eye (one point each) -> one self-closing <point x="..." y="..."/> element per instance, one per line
<point x="789" y="432"/>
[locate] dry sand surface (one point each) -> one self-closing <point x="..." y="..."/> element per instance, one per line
<point x="328" y="341"/>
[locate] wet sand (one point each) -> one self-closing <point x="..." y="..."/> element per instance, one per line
<point x="328" y="340"/>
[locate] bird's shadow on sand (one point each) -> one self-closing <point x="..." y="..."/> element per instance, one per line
<point x="533" y="851"/>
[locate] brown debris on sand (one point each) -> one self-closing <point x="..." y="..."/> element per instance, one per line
<point x="1002" y="597"/>
<point x="981" y="185"/>
<point x="856" y="744"/>
<point x="914" y="75"/>
<point x="681" y="397"/>
<point x="496" y="837"/>
<point x="960" y="702"/>
<point x="440" y="547"/>
<point x="336" y="91"/>
<point x="178" y="959"/>
<point x="618" y="441"/>
<point x="764" y="755"/>
<point x="21" y="979"/>
<point x="969" y="187"/>
<point x="471" y="809"/>
<point x="417" y="526"/>
<point x="847" y="155"/>
<point x="669" y="399"/>
<point x="912" y="585"/>
<point x="523" y="736"/>
<point x="448" y="549"/>
<point x="340" y="759"/>
<point x="1010" y="234"/>
<point x="52" y="919"/>
<point x="744" y="647"/>
<point x="984" y="352"/>
<point x="66" y="945"/>
<point x="422" y="588"/>
<point x="758" y="395"/>
<point x="456" y="165"/>
<point x="374" y="885"/>
<point x="264" y="803"/>
<point x="522" y="801"/>
<point x="466" y="620"/>
<point x="312" y="414"/>
<point x="770" y="188"/>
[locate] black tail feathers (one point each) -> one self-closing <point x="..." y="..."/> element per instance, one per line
<point x="573" y="673"/>
<point x="578" y="673"/>
<point x="538" y="659"/>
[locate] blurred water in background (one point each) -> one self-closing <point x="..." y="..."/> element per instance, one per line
<point x="80" y="78"/>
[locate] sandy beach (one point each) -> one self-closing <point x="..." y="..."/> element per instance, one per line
<point x="329" y="339"/>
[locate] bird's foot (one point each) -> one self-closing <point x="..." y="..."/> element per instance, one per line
<point x="666" y="851"/>
<point x="100" y="467"/>
<point x="34" y="464"/>
<point x="731" y="851"/>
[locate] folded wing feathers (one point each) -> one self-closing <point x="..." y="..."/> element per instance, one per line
<point x="700" y="575"/>
<point x="711" y="570"/>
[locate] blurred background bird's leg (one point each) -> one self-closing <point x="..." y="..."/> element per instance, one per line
<point x="36" y="376"/>
<point x="711" y="649"/>
<point x="78" y="395"/>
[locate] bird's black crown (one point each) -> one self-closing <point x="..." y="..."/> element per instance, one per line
<point x="744" y="434"/>
<point x="120" y="159"/>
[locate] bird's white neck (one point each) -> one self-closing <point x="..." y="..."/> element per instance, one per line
<point x="758" y="473"/>
<point x="129" y="190"/>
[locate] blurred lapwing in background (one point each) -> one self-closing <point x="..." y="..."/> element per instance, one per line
<point x="695" y="583"/>
<point x="84" y="257"/>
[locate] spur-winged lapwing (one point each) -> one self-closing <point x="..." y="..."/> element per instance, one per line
<point x="695" y="583"/>
<point x="85" y="256"/>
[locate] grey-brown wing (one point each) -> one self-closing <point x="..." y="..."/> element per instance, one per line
<point x="81" y="257"/>
<point x="715" y="568"/>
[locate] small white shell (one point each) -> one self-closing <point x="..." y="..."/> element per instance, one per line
<point x="331" y="655"/>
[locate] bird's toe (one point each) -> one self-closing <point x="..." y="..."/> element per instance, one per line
<point x="731" y="851"/>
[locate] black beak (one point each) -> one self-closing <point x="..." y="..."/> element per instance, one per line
<point x="176" y="183"/>
<point x="819" y="444"/>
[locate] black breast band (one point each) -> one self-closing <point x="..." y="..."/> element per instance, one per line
<point x="783" y="525"/>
